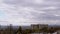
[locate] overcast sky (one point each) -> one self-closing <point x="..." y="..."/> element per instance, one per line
<point x="26" y="12"/>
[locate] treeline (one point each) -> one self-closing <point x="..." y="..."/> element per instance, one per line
<point x="7" y="30"/>
<point x="37" y="30"/>
<point x="11" y="30"/>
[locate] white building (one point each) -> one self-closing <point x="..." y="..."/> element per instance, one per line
<point x="39" y="26"/>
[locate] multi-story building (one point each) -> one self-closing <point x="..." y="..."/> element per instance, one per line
<point x="43" y="25"/>
<point x="33" y="26"/>
<point x="39" y="26"/>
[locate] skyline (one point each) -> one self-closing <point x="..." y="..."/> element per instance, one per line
<point x="24" y="12"/>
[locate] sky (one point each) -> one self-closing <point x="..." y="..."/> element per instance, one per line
<point x="26" y="12"/>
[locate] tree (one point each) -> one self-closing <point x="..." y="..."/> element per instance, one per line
<point x="9" y="29"/>
<point x="19" y="31"/>
<point x="27" y="31"/>
<point x="51" y="30"/>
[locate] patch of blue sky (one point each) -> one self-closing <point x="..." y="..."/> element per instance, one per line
<point x="2" y="14"/>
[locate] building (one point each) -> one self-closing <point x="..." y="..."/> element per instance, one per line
<point x="39" y="26"/>
<point x="34" y="26"/>
<point x="43" y="25"/>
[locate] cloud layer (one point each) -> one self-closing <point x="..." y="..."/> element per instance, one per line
<point x="29" y="11"/>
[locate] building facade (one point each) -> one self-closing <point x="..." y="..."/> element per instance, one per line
<point x="39" y="26"/>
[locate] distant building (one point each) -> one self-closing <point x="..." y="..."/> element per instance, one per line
<point x="33" y="26"/>
<point x="42" y="26"/>
<point x="39" y="26"/>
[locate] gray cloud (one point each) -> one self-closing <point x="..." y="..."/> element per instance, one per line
<point x="31" y="10"/>
<point x="51" y="7"/>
